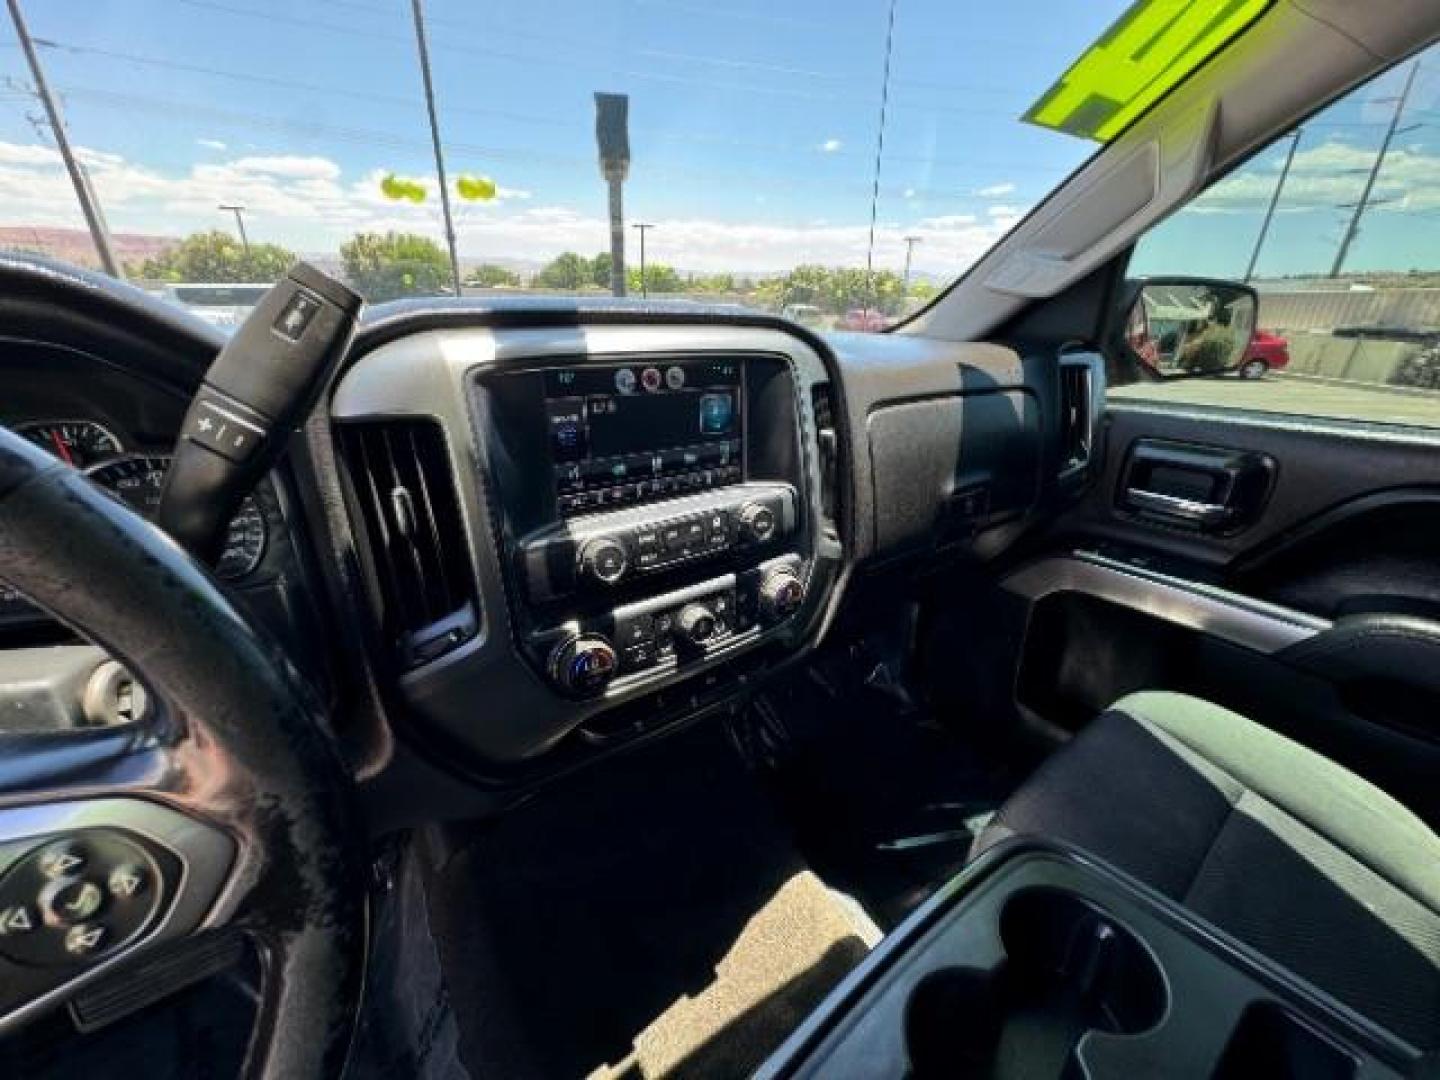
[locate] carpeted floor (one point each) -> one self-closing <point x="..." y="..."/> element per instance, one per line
<point x="653" y="919"/>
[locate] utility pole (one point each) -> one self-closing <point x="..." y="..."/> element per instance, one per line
<point x="644" y="284"/>
<point x="424" y="51"/>
<point x="1274" y="201"/>
<point x="1353" y="229"/>
<point x="612" y="139"/>
<point x="239" y="212"/>
<point x="89" y="205"/>
<point x="910" y="242"/>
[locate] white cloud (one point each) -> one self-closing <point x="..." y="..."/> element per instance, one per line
<point x="1000" y="210"/>
<point x="311" y="205"/>
<point x="211" y="144"/>
<point x="995" y="191"/>
<point x="829" y="146"/>
<point x="1326" y="176"/>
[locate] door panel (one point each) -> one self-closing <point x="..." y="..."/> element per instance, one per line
<point x="1318" y="616"/>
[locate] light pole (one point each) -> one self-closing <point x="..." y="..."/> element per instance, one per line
<point x="239" y="212"/>
<point x="644" y="285"/>
<point x="910" y="242"/>
<point x="612" y="139"/>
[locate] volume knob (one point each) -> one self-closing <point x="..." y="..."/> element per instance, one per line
<point x="604" y="560"/>
<point x="781" y="594"/>
<point x="757" y="521"/>
<point x="584" y="664"/>
<point x="695" y="624"/>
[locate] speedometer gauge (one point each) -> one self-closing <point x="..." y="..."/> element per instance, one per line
<point x="76" y="442"/>
<point x="139" y="479"/>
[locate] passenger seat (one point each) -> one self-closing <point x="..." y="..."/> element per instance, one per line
<point x="1281" y="847"/>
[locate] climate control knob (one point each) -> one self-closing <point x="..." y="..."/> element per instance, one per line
<point x="583" y="665"/>
<point x="604" y="560"/>
<point x="757" y="521"/>
<point x="695" y="624"/>
<point x="781" y="594"/>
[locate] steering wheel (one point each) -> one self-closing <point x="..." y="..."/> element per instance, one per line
<point x="128" y="852"/>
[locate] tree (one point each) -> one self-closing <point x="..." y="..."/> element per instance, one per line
<point x="600" y="270"/>
<point x="712" y="283"/>
<point x="383" y="266"/>
<point x="566" y="271"/>
<point x="218" y="256"/>
<point x="489" y="276"/>
<point x="659" y="278"/>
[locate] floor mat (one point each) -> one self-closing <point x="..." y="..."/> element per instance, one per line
<point x="794" y="949"/>
<point x="884" y="801"/>
<point x="651" y="919"/>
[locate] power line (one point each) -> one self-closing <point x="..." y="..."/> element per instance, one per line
<point x="586" y="61"/>
<point x="879" y="153"/>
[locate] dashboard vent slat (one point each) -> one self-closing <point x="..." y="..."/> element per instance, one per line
<point x="1076" y="416"/>
<point x="401" y="482"/>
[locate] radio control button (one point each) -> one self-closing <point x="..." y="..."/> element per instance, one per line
<point x="635" y="629"/>
<point x="639" y="656"/>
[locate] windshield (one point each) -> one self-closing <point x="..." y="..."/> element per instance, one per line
<point x="842" y="161"/>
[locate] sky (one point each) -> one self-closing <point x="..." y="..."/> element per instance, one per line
<point x="754" y="129"/>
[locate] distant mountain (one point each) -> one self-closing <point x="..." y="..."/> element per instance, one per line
<point x="75" y="245"/>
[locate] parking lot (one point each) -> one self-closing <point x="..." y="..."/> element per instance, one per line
<point x="1298" y="396"/>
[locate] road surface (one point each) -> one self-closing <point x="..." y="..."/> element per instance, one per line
<point x="1297" y="396"/>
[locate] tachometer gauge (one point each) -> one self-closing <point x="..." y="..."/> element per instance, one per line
<point x="81" y="443"/>
<point x="138" y="479"/>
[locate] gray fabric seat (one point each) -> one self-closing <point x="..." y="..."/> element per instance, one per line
<point x="1284" y="849"/>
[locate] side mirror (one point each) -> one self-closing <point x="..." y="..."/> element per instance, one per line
<point x="1182" y="327"/>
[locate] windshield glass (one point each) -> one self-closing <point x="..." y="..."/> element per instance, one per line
<point x="841" y="161"/>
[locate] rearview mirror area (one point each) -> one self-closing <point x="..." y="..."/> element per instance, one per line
<point x="1184" y="327"/>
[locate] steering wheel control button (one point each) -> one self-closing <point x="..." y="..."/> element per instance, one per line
<point x="85" y="939"/>
<point x="114" y="891"/>
<point x="224" y="426"/>
<point x="61" y="859"/>
<point x="70" y="901"/>
<point x="127" y="880"/>
<point x="17" y="919"/>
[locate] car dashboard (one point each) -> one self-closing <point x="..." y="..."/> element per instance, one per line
<point x="512" y="539"/>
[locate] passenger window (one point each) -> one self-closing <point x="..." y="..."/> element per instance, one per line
<point x="1337" y="227"/>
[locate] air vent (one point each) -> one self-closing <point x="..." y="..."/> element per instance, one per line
<point x="401" y="481"/>
<point x="822" y="403"/>
<point x="1076" y="413"/>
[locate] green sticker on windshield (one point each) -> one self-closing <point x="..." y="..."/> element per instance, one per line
<point x="1134" y="63"/>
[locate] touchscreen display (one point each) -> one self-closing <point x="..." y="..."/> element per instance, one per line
<point x="629" y="432"/>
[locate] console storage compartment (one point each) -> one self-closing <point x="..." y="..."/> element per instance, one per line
<point x="1039" y="962"/>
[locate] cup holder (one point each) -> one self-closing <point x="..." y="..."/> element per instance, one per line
<point x="1068" y="969"/>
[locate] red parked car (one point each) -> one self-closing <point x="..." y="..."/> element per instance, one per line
<point x="1267" y="352"/>
<point x="864" y="319"/>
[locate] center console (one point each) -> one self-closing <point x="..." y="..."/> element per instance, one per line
<point x="1038" y="962"/>
<point x="668" y="524"/>
<point x="565" y="526"/>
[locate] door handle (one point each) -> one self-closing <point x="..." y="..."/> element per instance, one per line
<point x="1205" y="514"/>
<point x="1204" y="488"/>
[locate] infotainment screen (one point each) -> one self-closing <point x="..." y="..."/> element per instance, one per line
<point x="628" y="433"/>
